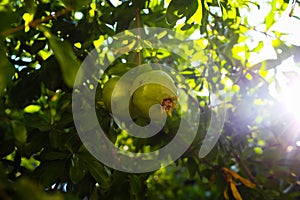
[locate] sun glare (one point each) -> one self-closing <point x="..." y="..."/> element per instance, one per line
<point x="291" y="99"/>
<point x="288" y="84"/>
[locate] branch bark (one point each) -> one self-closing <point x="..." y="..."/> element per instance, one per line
<point x="37" y="22"/>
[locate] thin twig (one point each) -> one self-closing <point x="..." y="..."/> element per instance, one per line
<point x="137" y="21"/>
<point x="254" y="29"/>
<point x="36" y="22"/>
<point x="246" y="169"/>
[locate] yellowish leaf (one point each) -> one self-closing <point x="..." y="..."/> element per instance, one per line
<point x="226" y="197"/>
<point x="27" y="17"/>
<point x="32" y="108"/>
<point x="97" y="43"/>
<point x="235" y="192"/>
<point x="246" y="182"/>
<point x="197" y="17"/>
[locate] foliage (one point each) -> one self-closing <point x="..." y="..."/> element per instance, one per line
<point x="42" y="46"/>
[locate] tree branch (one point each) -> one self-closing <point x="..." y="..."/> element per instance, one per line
<point x="137" y="21"/>
<point x="246" y="169"/>
<point x="37" y="22"/>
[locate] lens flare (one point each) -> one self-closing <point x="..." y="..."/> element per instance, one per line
<point x="291" y="99"/>
<point x="286" y="88"/>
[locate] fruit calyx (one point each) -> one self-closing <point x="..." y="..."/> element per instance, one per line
<point x="169" y="104"/>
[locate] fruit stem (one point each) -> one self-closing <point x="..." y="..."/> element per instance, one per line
<point x="137" y="21"/>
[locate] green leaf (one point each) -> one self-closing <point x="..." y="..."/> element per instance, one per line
<point x="186" y="27"/>
<point x="270" y="18"/>
<point x="181" y="8"/>
<point x="259" y="46"/>
<point x="50" y="74"/>
<point x="120" y="68"/>
<point x="137" y="186"/>
<point x="96" y="169"/>
<point x="6" y="70"/>
<point x="192" y="167"/>
<point x="56" y="155"/>
<point x="32" y="108"/>
<point x="77" y="169"/>
<point x="197" y="16"/>
<point x="98" y="172"/>
<point x="37" y="120"/>
<point x="28" y="190"/>
<point x="258" y="150"/>
<point x="30" y="6"/>
<point x="10" y="18"/>
<point x="224" y="13"/>
<point x="35" y="142"/>
<point x="65" y="56"/>
<point x="204" y="22"/>
<point x="49" y="172"/>
<point x="76" y="4"/>
<point x="19" y="130"/>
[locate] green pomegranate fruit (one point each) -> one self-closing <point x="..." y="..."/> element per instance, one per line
<point x="161" y="90"/>
<point x="107" y="91"/>
<point x="153" y="87"/>
<point x="120" y="93"/>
